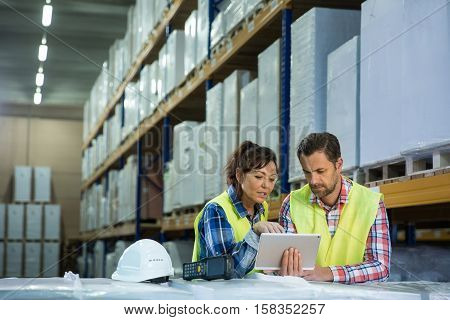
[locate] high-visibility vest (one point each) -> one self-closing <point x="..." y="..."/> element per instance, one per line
<point x="241" y="226"/>
<point x="349" y="241"/>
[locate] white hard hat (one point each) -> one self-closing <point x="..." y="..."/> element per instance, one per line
<point x="144" y="260"/>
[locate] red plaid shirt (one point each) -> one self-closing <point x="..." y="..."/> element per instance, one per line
<point x="378" y="246"/>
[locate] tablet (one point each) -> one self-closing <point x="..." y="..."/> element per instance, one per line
<point x="272" y="245"/>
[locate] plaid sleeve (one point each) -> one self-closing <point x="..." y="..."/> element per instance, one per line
<point x="285" y="216"/>
<point x="217" y="238"/>
<point x="377" y="255"/>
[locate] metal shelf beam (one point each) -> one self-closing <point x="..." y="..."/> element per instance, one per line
<point x="415" y="192"/>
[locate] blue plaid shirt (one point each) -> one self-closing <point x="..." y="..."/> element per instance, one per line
<point x="217" y="235"/>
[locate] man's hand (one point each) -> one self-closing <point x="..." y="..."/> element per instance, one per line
<point x="291" y="265"/>
<point x="267" y="227"/>
<point x="318" y="274"/>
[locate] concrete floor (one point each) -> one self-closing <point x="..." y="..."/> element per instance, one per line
<point x="420" y="263"/>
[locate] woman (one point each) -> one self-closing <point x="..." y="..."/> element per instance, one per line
<point x="232" y="222"/>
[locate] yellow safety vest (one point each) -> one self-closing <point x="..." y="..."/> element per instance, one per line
<point x="241" y="226"/>
<point x="349" y="241"/>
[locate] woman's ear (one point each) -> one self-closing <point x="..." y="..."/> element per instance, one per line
<point x="239" y="176"/>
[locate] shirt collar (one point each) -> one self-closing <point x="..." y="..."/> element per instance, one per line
<point x="346" y="185"/>
<point x="237" y="203"/>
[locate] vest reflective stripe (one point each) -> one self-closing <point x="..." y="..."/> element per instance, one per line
<point x="241" y="226"/>
<point x="349" y="241"/>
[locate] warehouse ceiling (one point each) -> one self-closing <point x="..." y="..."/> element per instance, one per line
<point x="78" y="42"/>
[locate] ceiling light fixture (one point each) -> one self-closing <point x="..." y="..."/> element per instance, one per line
<point x="43" y="49"/>
<point x="39" y="79"/>
<point x="37" y="97"/>
<point x="47" y="11"/>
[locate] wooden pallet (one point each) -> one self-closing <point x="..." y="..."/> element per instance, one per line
<point x="416" y="165"/>
<point x="201" y="66"/>
<point x="188" y="78"/>
<point x="187" y="210"/>
<point x="249" y="19"/>
<point x="121" y="229"/>
<point x="218" y="47"/>
<point x="413" y="176"/>
<point x="236" y="29"/>
<point x="181" y="219"/>
<point x="247" y="23"/>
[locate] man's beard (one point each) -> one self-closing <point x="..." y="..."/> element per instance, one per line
<point x="325" y="191"/>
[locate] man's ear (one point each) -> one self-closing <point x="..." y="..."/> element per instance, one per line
<point x="300" y="159"/>
<point x="339" y="165"/>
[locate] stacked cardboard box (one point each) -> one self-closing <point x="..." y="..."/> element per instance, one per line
<point x="34" y="222"/>
<point x="51" y="254"/>
<point x="22" y="184"/>
<point x="32" y="259"/>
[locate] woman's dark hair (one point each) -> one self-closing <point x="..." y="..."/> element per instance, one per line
<point x="324" y="142"/>
<point x="247" y="157"/>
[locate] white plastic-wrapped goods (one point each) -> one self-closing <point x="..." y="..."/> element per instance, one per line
<point x="404" y="78"/>
<point x="343" y="100"/>
<point x="314" y="35"/>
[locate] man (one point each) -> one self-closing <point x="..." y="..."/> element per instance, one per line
<point x="351" y="219"/>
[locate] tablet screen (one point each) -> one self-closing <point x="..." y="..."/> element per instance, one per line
<point x="272" y="245"/>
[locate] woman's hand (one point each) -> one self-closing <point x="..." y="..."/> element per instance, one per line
<point x="267" y="227"/>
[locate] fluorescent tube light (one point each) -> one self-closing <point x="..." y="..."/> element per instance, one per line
<point x="39" y="79"/>
<point x="37" y="98"/>
<point x="47" y="11"/>
<point x="43" y="52"/>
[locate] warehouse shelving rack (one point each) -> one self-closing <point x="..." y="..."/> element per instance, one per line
<point x="245" y="43"/>
<point x="272" y="21"/>
<point x="237" y="50"/>
<point x="175" y="15"/>
<point x="418" y="200"/>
